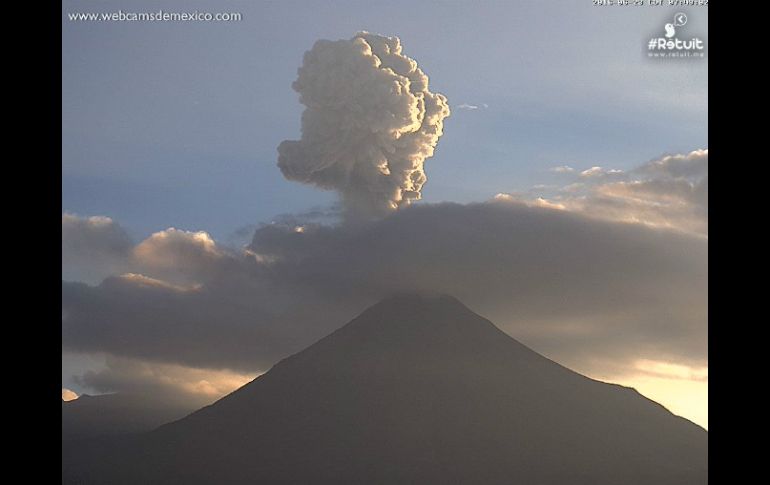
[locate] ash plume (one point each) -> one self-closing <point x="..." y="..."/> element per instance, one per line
<point x="369" y="124"/>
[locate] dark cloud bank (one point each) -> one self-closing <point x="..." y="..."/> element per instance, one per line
<point x="576" y="288"/>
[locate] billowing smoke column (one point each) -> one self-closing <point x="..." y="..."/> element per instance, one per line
<point x="368" y="126"/>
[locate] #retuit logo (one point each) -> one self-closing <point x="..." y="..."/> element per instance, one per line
<point x="671" y="45"/>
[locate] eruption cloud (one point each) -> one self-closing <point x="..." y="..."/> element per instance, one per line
<point x="369" y="124"/>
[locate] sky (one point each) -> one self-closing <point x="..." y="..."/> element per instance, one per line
<point x="559" y="125"/>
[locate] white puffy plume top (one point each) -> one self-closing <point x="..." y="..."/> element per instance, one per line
<point x="368" y="126"/>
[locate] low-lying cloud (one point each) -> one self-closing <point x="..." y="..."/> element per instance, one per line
<point x="588" y="292"/>
<point x="671" y="191"/>
<point x="168" y="383"/>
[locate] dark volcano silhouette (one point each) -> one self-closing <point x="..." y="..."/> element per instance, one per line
<point x="415" y="390"/>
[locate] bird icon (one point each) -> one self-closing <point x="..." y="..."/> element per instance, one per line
<point x="670" y="30"/>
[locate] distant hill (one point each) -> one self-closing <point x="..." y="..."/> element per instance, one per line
<point x="115" y="414"/>
<point x="415" y="390"/>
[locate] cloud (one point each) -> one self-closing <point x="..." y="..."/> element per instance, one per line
<point x="92" y="247"/>
<point x="181" y="256"/>
<point x="671" y="191"/>
<point x="670" y="370"/>
<point x="169" y="383"/>
<point x="687" y="166"/>
<point x="140" y="280"/>
<point x="562" y="169"/>
<point x="571" y="286"/>
<point x="368" y="126"/>
<point x="472" y="107"/>
<point x="68" y="395"/>
<point x="523" y="199"/>
<point x="592" y="171"/>
<point x="599" y="171"/>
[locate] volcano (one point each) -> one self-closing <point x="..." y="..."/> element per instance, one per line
<point x="415" y="390"/>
